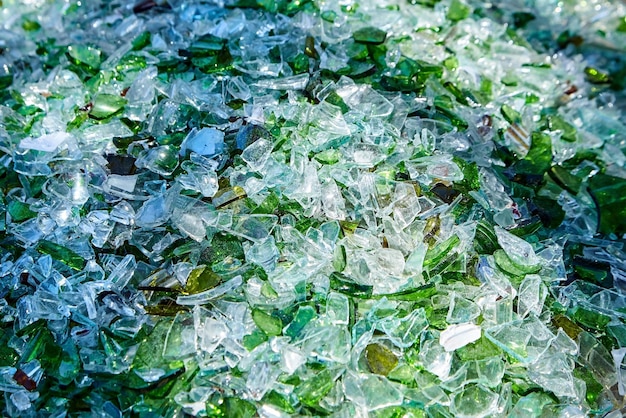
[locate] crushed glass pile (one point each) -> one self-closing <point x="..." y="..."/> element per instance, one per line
<point x="381" y="208"/>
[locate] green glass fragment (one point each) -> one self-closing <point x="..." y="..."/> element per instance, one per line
<point x="404" y="374"/>
<point x="31" y="329"/>
<point x="269" y="324"/>
<point x="287" y="7"/>
<point x="485" y="240"/>
<point x="280" y="401"/>
<point x="99" y="78"/>
<point x="622" y="25"/>
<point x="339" y="258"/>
<point x="28" y="110"/>
<point x="511" y="115"/>
<point x="141" y="41"/>
<point x="275" y="55"/>
<point x="268" y="291"/>
<point x="370" y="35"/>
<point x="427" y="3"/>
<point x="570" y="328"/>
<point x="62" y="254"/>
<point x="357" y="51"/>
<point x="106" y="105"/>
<point x="304" y="224"/>
<point x="420" y="293"/>
<point x="458" y="11"/>
<point x="8" y="355"/>
<point x="222" y="246"/>
<point x="514" y="269"/>
<point x="451" y="63"/>
<point x="521" y="19"/>
<point x="201" y="279"/>
<point x="234" y="407"/>
<point x="309" y="48"/>
<point x="172" y="66"/>
<point x="343" y="284"/>
<point x="131" y="62"/>
<point x="311" y="391"/>
<point x="162" y="159"/>
<point x="174" y="138"/>
<point x="443" y="105"/>
<point x="428" y="70"/>
<point x="565" y="179"/>
<point x="618" y="332"/>
<point x="589" y="318"/>
<point x="539" y="158"/>
<point x="31" y="25"/>
<point x="358" y="69"/>
<point x="205" y="45"/>
<point x="410" y="75"/>
<point x="609" y="195"/>
<point x="6" y="76"/>
<point x="567" y="37"/>
<point x="329" y="16"/>
<point x="380" y="359"/>
<point x="596" y="76"/>
<point x="251" y="341"/>
<point x="83" y="54"/>
<point x="334" y="99"/>
<point x="268" y="206"/>
<point x="594" y="388"/>
<point x="399" y="412"/>
<point x="595" y="275"/>
<point x="537" y="65"/>
<point x="485" y="91"/>
<point x="350" y="8"/>
<point x="437" y="254"/>
<point x="20" y="211"/>
<point x="465" y="97"/>
<point x="532" y="98"/>
<point x="300" y="64"/>
<point x="329" y="156"/>
<point x="41" y="346"/>
<point x="304" y="315"/>
<point x="222" y="61"/>
<point x="80" y="118"/>
<point x="557" y="123"/>
<point x="481" y="349"/>
<point x="348" y="227"/>
<point x="149" y="359"/>
<point x="445" y="192"/>
<point x="551" y="215"/>
<point x="509" y="80"/>
<point x="70" y="365"/>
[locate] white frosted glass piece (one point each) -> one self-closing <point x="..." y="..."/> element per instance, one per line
<point x="459" y="335"/>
